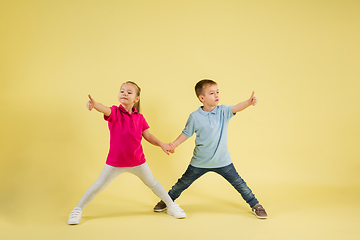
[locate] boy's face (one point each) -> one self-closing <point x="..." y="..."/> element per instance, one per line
<point x="128" y="94"/>
<point x="210" y="95"/>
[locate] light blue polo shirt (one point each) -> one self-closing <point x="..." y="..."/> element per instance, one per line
<point x="211" y="148"/>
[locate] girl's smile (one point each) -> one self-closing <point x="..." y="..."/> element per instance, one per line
<point x="128" y="96"/>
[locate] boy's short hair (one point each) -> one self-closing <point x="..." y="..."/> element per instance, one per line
<point x="201" y="84"/>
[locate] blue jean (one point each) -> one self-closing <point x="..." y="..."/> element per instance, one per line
<point x="228" y="172"/>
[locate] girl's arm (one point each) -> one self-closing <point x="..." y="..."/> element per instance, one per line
<point x="153" y="140"/>
<point x="98" y="106"/>
<point x="241" y="106"/>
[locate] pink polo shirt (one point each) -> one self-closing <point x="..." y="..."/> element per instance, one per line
<point x="125" y="137"/>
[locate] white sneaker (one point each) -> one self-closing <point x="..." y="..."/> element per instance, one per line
<point x="176" y="211"/>
<point x="75" y="216"/>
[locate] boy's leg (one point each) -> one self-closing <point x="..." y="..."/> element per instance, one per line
<point x="231" y="175"/>
<point x="190" y="175"/>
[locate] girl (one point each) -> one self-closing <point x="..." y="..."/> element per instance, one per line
<point x="127" y="127"/>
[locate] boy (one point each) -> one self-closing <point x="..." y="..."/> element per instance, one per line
<point x="210" y="123"/>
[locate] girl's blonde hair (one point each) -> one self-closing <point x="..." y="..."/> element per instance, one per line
<point x="137" y="104"/>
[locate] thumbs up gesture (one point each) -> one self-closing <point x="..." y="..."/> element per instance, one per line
<point x="90" y="104"/>
<point x="253" y="100"/>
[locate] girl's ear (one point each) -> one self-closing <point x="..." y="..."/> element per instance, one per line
<point x="137" y="99"/>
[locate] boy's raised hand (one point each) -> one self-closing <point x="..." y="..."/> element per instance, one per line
<point x="90" y="104"/>
<point x="253" y="100"/>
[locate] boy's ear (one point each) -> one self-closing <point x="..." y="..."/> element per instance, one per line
<point x="201" y="98"/>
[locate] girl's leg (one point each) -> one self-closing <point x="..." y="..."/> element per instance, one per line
<point x="144" y="173"/>
<point x="108" y="174"/>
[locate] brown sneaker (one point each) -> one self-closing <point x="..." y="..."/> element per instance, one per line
<point x="160" y="206"/>
<point x="259" y="211"/>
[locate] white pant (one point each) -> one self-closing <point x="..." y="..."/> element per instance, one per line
<point x="109" y="173"/>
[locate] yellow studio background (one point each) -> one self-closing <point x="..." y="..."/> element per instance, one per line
<point x="298" y="149"/>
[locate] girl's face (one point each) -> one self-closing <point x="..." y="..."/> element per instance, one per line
<point x="210" y="95"/>
<point x="128" y="94"/>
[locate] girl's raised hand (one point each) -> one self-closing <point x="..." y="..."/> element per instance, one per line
<point x="253" y="100"/>
<point x="90" y="104"/>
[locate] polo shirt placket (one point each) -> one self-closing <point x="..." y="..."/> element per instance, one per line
<point x="132" y="121"/>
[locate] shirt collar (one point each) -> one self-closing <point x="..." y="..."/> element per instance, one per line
<point x="122" y="109"/>
<point x="213" y="112"/>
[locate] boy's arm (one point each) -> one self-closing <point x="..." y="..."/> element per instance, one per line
<point x="241" y="106"/>
<point x="98" y="106"/>
<point x="153" y="140"/>
<point x="181" y="138"/>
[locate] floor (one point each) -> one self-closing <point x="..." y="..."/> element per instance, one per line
<point x="295" y="212"/>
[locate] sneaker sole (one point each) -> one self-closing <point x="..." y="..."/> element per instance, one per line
<point x="176" y="217"/>
<point x="160" y="210"/>
<point x="73" y="223"/>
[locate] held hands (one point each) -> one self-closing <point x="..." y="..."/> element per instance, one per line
<point x="253" y="100"/>
<point x="90" y="104"/>
<point x="168" y="148"/>
<point x="172" y="147"/>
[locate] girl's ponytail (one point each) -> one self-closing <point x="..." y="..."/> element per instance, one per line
<point x="137" y="106"/>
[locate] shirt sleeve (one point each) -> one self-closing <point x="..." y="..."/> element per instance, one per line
<point x="189" y="127"/>
<point x="145" y="125"/>
<point x="228" y="111"/>
<point x="112" y="115"/>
